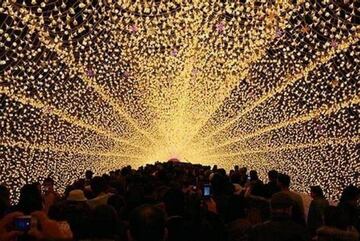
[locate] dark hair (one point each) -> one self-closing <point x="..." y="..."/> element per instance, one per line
<point x="174" y="200"/>
<point x="4" y="193"/>
<point x="30" y="199"/>
<point x="49" y="180"/>
<point x="253" y="175"/>
<point x="88" y="174"/>
<point x="105" y="222"/>
<point x="335" y="217"/>
<point x="349" y="193"/>
<point x="317" y="191"/>
<point x="118" y="203"/>
<point x="98" y="185"/>
<point x="147" y="223"/>
<point x="284" y="179"/>
<point x="273" y="175"/>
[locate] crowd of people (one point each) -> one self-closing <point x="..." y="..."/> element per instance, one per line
<point x="167" y="202"/>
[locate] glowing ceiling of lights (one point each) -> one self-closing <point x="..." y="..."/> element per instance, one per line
<point x="102" y="83"/>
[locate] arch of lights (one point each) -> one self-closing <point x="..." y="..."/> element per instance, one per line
<point x="103" y="83"/>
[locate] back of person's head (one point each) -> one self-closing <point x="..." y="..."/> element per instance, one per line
<point x="98" y="185"/>
<point x="105" y="222"/>
<point x="30" y="199"/>
<point x="273" y="175"/>
<point x="316" y="191"/>
<point x="4" y="194"/>
<point x="89" y="174"/>
<point x="335" y="217"/>
<point x="77" y="214"/>
<point x="174" y="200"/>
<point x="147" y="223"/>
<point x="4" y="200"/>
<point x="283" y="180"/>
<point x="253" y="175"/>
<point x="350" y="195"/>
<point x="48" y="181"/>
<point x="118" y="203"/>
<point x="218" y="184"/>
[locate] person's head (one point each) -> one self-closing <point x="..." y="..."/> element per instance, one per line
<point x="118" y="203"/>
<point x="48" y="184"/>
<point x="4" y="194"/>
<point x="283" y="181"/>
<point x="350" y="195"/>
<point x="236" y="168"/>
<point x="89" y="174"/>
<point x="30" y="199"/>
<point x="98" y="185"/>
<point x="174" y="202"/>
<point x="281" y="204"/>
<point x="335" y="217"/>
<point x="147" y="223"/>
<point x="243" y="170"/>
<point x="316" y="192"/>
<point x="105" y="222"/>
<point x="253" y="175"/>
<point x="273" y="175"/>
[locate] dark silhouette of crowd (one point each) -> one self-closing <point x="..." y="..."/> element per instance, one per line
<point x="166" y="202"/>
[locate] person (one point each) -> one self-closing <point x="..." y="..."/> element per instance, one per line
<point x="88" y="176"/>
<point x="147" y="223"/>
<point x="335" y="226"/>
<point x="30" y="199"/>
<point x="298" y="212"/>
<point x="316" y="210"/>
<point x="4" y="200"/>
<point x="6" y="233"/>
<point x="349" y="204"/>
<point x="174" y="201"/>
<point x="75" y="211"/>
<point x="105" y="224"/>
<point x="280" y="227"/>
<point x="98" y="188"/>
<point x="271" y="187"/>
<point x="46" y="229"/>
<point x="50" y="196"/>
<point x="239" y="223"/>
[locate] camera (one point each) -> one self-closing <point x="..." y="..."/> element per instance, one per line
<point x="23" y="223"/>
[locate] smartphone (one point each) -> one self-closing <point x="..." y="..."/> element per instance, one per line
<point x="207" y="191"/>
<point x="22" y="223"/>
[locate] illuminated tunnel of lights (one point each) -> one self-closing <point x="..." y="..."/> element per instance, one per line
<point x="100" y="84"/>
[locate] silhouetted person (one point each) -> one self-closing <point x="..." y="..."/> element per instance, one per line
<point x="176" y="223"/>
<point x="98" y="188"/>
<point x="50" y="196"/>
<point x="88" y="176"/>
<point x="30" y="199"/>
<point x="349" y="204"/>
<point x="147" y="223"/>
<point x="280" y="227"/>
<point x="105" y="223"/>
<point x="4" y="200"/>
<point x="271" y="187"/>
<point x="336" y="227"/>
<point x="317" y="208"/>
<point x="298" y="212"/>
<point x="238" y="222"/>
